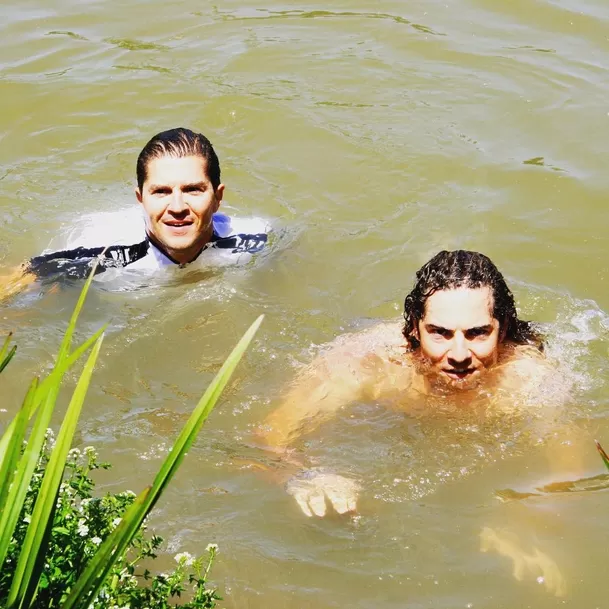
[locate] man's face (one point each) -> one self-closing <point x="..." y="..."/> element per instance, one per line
<point x="179" y="201"/>
<point x="459" y="336"/>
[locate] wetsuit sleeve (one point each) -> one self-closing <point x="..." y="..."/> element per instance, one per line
<point x="72" y="264"/>
<point x="241" y="243"/>
<point x="77" y="263"/>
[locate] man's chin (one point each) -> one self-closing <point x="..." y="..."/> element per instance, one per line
<point x="459" y="383"/>
<point x="178" y="245"/>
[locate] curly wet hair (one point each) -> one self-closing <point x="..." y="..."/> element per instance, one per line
<point x="461" y="268"/>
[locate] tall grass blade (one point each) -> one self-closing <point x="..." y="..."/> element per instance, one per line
<point x="5" y="355"/>
<point x="4" y="348"/>
<point x="201" y="412"/>
<point x="45" y="384"/>
<point x="27" y="576"/>
<point x="602" y="453"/>
<point x="93" y="577"/>
<point x="9" y="460"/>
<point x="114" y="546"/>
<point x="25" y="469"/>
<point x="66" y="343"/>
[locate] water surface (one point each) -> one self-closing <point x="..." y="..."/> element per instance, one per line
<point x="372" y="134"/>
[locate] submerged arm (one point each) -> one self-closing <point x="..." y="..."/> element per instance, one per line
<point x="315" y="396"/>
<point x="15" y="282"/>
<point x="330" y="382"/>
<point x="541" y="388"/>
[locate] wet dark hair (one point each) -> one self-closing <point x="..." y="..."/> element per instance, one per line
<point x="178" y="143"/>
<point x="450" y="270"/>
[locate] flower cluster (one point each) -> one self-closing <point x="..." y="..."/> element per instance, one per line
<point x="80" y="525"/>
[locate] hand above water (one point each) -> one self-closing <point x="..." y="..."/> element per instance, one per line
<point x="313" y="490"/>
<point x="535" y="563"/>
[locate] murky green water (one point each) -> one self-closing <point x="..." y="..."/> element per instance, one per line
<point x="371" y="134"/>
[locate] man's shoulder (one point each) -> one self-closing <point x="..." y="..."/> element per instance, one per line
<point x="383" y="339"/>
<point x="529" y="378"/>
<point x="239" y="235"/>
<point x="102" y="229"/>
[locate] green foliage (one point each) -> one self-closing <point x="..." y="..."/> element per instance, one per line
<point x="5" y="355"/>
<point x="80" y="524"/>
<point x="603" y="454"/>
<point x="33" y="490"/>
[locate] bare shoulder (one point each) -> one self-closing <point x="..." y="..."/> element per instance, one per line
<point x="372" y="360"/>
<point x="383" y="337"/>
<point x="530" y="378"/>
<point x="525" y="360"/>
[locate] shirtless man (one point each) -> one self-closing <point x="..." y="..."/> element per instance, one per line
<point x="461" y="336"/>
<point x="462" y="340"/>
<point x="179" y="190"/>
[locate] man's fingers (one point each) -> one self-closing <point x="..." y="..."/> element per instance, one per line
<point x="552" y="576"/>
<point x="311" y="493"/>
<point x="301" y="499"/>
<point x="317" y="503"/>
<point x="342" y="501"/>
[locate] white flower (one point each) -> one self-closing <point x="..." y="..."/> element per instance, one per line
<point x="27" y="518"/>
<point x="96" y="540"/>
<point x="116" y="522"/>
<point x="212" y="547"/>
<point x="83" y="529"/>
<point x="184" y="558"/>
<point x="89" y="452"/>
<point x="74" y="454"/>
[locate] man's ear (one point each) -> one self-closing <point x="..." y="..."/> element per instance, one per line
<point x="502" y="330"/>
<point x="138" y="195"/>
<point x="412" y="332"/>
<point x="415" y="330"/>
<point x="219" y="192"/>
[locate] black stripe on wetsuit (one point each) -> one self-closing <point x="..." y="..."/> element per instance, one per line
<point x="76" y="263"/>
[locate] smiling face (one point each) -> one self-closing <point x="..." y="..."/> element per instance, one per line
<point x="459" y="337"/>
<point x="179" y="201"/>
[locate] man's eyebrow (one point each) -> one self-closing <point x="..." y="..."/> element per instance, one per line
<point x="194" y="185"/>
<point x="157" y="186"/>
<point x="436" y="327"/>
<point x="485" y="328"/>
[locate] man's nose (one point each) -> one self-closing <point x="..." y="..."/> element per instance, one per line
<point x="459" y="350"/>
<point x="177" y="203"/>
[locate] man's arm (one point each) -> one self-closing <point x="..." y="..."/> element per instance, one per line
<point x="331" y="381"/>
<point x="15" y="282"/>
<point x="539" y="386"/>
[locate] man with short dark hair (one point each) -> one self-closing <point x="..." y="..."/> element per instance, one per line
<point x="179" y="190"/>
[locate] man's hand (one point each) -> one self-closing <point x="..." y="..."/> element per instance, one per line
<point x="15" y="282"/>
<point x="535" y="563"/>
<point x="312" y="489"/>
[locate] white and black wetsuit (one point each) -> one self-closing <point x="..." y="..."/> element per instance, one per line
<point x="232" y="241"/>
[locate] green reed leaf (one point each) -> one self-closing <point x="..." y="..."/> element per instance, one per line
<point x="113" y="547"/>
<point x="5" y="355"/>
<point x="25" y="468"/>
<point x="46" y="383"/>
<point x="602" y="453"/>
<point x="93" y="577"/>
<point x="31" y="558"/>
<point x="9" y="460"/>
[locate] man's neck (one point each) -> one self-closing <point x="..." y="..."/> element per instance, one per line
<point x="182" y="257"/>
